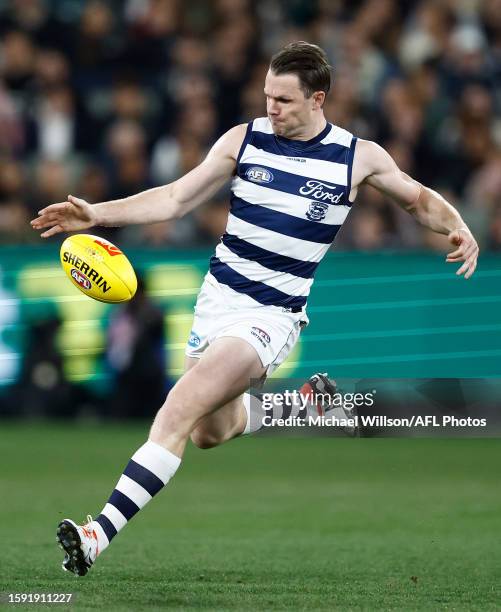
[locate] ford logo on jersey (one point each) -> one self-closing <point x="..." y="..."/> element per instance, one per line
<point x="317" y="211"/>
<point x="321" y="191"/>
<point x="257" y="174"/>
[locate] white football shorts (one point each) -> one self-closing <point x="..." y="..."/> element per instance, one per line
<point x="220" y="311"/>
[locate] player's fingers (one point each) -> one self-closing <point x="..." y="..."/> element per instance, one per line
<point x="472" y="268"/>
<point x="457" y="253"/>
<point x="466" y="266"/>
<point x="472" y="251"/>
<point x="57" y="229"/>
<point x="463" y="252"/>
<point x="53" y="208"/>
<point x="468" y="252"/>
<point x="40" y="224"/>
<point x="46" y="219"/>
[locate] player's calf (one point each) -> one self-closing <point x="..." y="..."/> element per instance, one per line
<point x="206" y="439"/>
<point x="222" y="425"/>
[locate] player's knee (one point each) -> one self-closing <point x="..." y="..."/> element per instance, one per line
<point x="205" y="439"/>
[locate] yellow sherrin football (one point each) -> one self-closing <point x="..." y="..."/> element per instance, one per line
<point x="98" y="268"/>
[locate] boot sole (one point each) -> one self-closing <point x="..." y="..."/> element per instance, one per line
<point x="70" y="542"/>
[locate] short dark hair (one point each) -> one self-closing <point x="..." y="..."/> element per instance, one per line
<point x="309" y="62"/>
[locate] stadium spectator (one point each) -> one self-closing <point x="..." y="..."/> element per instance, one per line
<point x="52" y="180"/>
<point x="136" y="356"/>
<point x="43" y="389"/>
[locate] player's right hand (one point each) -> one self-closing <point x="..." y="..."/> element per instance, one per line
<point x="70" y="216"/>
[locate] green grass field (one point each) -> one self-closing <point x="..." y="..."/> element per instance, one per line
<point x="261" y="524"/>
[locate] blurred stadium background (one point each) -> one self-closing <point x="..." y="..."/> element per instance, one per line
<point x="104" y="99"/>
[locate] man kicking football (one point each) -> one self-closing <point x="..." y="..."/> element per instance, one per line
<point x="294" y="179"/>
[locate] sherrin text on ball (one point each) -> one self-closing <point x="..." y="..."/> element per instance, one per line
<point x="98" y="268"/>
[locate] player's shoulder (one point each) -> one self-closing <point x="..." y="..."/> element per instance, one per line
<point x="367" y="147"/>
<point x="229" y="144"/>
<point x="236" y="133"/>
<point x="232" y="141"/>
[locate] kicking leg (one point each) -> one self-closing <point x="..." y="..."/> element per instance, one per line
<point x="220" y="377"/>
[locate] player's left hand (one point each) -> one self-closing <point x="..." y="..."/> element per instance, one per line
<point x="467" y="251"/>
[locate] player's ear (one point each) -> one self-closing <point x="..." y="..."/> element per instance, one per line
<point x="318" y="99"/>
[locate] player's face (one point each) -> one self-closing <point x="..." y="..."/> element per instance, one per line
<point x="289" y="111"/>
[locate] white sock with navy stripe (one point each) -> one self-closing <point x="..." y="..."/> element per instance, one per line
<point x="149" y="470"/>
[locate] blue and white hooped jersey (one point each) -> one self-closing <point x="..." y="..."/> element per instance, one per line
<point x="289" y="199"/>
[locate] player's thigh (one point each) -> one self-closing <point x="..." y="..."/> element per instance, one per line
<point x="190" y="362"/>
<point x="220" y="376"/>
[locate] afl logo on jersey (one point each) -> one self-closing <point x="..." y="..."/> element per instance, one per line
<point x="317" y="211"/>
<point x="257" y="174"/>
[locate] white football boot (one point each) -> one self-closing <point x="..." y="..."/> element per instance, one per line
<point x="79" y="542"/>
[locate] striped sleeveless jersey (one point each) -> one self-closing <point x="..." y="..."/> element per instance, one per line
<point x="289" y="199"/>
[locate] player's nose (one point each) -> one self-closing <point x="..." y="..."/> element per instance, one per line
<point x="272" y="109"/>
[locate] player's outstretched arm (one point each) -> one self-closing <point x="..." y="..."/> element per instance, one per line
<point x="158" y="204"/>
<point x="375" y="166"/>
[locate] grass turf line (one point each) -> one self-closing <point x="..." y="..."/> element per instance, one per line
<point x="270" y="523"/>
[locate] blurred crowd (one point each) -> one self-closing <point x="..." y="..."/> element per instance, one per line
<point x="103" y="99"/>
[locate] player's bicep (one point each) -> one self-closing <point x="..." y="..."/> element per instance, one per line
<point x="386" y="177"/>
<point x="204" y="181"/>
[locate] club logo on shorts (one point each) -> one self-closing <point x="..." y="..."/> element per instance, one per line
<point x="194" y="340"/>
<point x="80" y="279"/>
<point x="261" y="335"/>
<point x="317" y="211"/>
<point x="257" y="174"/>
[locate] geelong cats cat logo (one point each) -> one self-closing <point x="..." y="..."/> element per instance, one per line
<point x="317" y="211"/>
